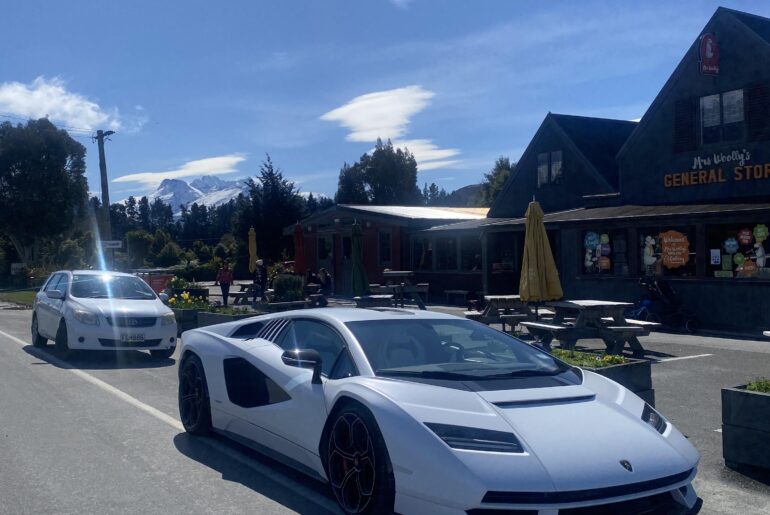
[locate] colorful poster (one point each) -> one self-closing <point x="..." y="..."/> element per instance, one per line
<point x="716" y="256"/>
<point x="760" y="233"/>
<point x="591" y="240"/>
<point x="727" y="262"/>
<point x="745" y="237"/>
<point x="674" y="249"/>
<point x="731" y="245"/>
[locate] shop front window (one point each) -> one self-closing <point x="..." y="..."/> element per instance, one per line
<point x="667" y="251"/>
<point x="738" y="251"/>
<point x="605" y="252"/>
<point x="446" y="254"/>
<point x="470" y="253"/>
<point x="422" y="255"/>
<point x="324" y="248"/>
<point x="385" y="248"/>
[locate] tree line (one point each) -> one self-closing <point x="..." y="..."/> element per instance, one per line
<point x="47" y="219"/>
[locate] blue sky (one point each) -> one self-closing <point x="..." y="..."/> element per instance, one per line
<point x="209" y="87"/>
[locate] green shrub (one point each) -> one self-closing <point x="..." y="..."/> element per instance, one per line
<point x="759" y="385"/>
<point x="588" y="359"/>
<point x="178" y="282"/>
<point x="288" y="288"/>
<point x="277" y="269"/>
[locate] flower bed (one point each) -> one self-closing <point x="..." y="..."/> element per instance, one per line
<point x="746" y="425"/>
<point x="186" y="308"/>
<point x="221" y="316"/>
<point x="634" y="374"/>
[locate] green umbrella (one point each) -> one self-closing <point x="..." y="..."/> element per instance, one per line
<point x="358" y="281"/>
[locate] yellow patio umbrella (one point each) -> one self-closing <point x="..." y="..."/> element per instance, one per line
<point x="252" y="250"/>
<point x="539" y="276"/>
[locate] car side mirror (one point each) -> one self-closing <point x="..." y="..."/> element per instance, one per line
<point x="163" y="298"/>
<point x="304" y="358"/>
<point x="54" y="294"/>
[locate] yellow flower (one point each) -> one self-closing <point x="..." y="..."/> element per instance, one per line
<point x="186" y="295"/>
<point x="172" y="300"/>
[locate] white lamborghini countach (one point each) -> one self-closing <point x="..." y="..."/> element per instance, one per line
<point x="418" y="412"/>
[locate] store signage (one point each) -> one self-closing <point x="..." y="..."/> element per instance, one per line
<point x="713" y="168"/>
<point x="709" y="55"/>
<point x="674" y="249"/>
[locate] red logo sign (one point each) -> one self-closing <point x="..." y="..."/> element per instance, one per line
<point x="709" y="55"/>
<point x="745" y="237"/>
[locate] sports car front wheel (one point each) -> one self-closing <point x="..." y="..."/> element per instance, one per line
<point x="357" y="463"/>
<point x="194" y="408"/>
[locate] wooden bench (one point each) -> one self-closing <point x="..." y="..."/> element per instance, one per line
<point x="240" y="297"/>
<point x="513" y="319"/>
<point x="542" y="328"/>
<point x="316" y="300"/>
<point x="374" y="301"/>
<point x="450" y="293"/>
<point x="633" y="321"/>
<point x="284" y="306"/>
<point x="473" y="315"/>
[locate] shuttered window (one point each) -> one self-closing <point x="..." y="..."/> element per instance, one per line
<point x="758" y="112"/>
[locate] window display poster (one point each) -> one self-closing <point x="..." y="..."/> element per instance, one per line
<point x="674" y="249"/>
<point x="716" y="256"/>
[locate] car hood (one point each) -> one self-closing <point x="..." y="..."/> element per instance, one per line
<point x="123" y="307"/>
<point x="576" y="436"/>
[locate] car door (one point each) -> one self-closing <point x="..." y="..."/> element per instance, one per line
<point x="44" y="307"/>
<point x="281" y="399"/>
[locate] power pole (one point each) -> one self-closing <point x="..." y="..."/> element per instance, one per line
<point x="106" y="229"/>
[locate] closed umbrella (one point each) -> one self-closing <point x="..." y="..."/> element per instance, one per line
<point x="300" y="263"/>
<point x="539" y="276"/>
<point x="358" y="281"/>
<point x="252" y="250"/>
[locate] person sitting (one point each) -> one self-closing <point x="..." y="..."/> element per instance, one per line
<point x="325" y="280"/>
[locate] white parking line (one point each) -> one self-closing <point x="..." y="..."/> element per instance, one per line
<point x="665" y="360"/>
<point x="322" y="501"/>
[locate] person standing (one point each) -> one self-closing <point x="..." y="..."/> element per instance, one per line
<point x="224" y="278"/>
<point x="260" y="281"/>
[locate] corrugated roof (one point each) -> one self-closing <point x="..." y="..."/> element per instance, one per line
<point x="608" y="213"/>
<point x="422" y="212"/>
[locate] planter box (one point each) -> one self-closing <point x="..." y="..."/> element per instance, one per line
<point x="745" y="427"/>
<point x="185" y="319"/>
<point x="636" y="375"/>
<point x="208" y="318"/>
<point x="195" y="292"/>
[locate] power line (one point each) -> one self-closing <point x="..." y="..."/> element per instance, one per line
<point x="65" y="127"/>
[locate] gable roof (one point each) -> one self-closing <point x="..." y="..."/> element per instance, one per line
<point x="595" y="140"/>
<point x="757" y="26"/>
<point x="598" y="139"/>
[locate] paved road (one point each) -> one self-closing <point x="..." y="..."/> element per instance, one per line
<point x="99" y="434"/>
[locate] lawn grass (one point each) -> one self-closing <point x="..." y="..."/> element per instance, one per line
<point x="18" y="297"/>
<point x="588" y="359"/>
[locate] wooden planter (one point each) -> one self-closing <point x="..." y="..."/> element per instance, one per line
<point x="636" y="375"/>
<point x="185" y="319"/>
<point x="208" y="318"/>
<point x="745" y="428"/>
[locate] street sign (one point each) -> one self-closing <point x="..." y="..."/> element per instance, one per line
<point x="112" y="244"/>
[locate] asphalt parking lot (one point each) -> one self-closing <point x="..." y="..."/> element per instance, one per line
<point x="100" y="434"/>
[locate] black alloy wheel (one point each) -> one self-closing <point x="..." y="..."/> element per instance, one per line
<point x="194" y="408"/>
<point x="357" y="463"/>
<point x="37" y="340"/>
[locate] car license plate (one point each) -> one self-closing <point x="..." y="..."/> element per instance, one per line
<point x="131" y="338"/>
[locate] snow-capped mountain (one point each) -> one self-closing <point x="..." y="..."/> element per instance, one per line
<point x="208" y="190"/>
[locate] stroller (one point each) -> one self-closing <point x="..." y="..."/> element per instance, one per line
<point x="661" y="305"/>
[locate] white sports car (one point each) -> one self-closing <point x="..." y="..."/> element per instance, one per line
<point x="419" y="412"/>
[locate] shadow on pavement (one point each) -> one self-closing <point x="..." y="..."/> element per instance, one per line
<point x="274" y="482"/>
<point x="98" y="360"/>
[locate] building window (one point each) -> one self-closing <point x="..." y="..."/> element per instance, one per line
<point x="721" y="117"/>
<point x="470" y="253"/>
<point x="605" y="252"/>
<point x="667" y="251"/>
<point x="738" y="250"/>
<point x="385" y="253"/>
<point x="549" y="168"/>
<point x="446" y="254"/>
<point x="324" y="248"/>
<point x="422" y="255"/>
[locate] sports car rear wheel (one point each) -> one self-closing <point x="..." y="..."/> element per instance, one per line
<point x="194" y="408"/>
<point x="357" y="463"/>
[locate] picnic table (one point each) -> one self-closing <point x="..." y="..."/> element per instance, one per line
<point x="404" y="289"/>
<point x="511" y="306"/>
<point x="600" y="319"/>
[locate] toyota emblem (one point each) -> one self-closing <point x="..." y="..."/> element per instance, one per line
<point x="627" y="465"/>
<point x="133" y="321"/>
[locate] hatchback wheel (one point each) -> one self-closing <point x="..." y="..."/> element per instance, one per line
<point x="61" y="339"/>
<point x="37" y="340"/>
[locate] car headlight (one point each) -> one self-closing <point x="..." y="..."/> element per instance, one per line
<point x="654" y="418"/>
<point x="167" y="319"/>
<point x="86" y="317"/>
<point x="475" y="439"/>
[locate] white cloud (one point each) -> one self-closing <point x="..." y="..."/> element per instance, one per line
<point x="382" y="114"/>
<point x="50" y="98"/>
<point x="386" y="115"/>
<point x="219" y="165"/>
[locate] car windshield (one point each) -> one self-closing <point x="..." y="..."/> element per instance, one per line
<point x="110" y="287"/>
<point x="448" y="349"/>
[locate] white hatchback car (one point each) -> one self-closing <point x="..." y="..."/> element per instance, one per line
<point x="98" y="310"/>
